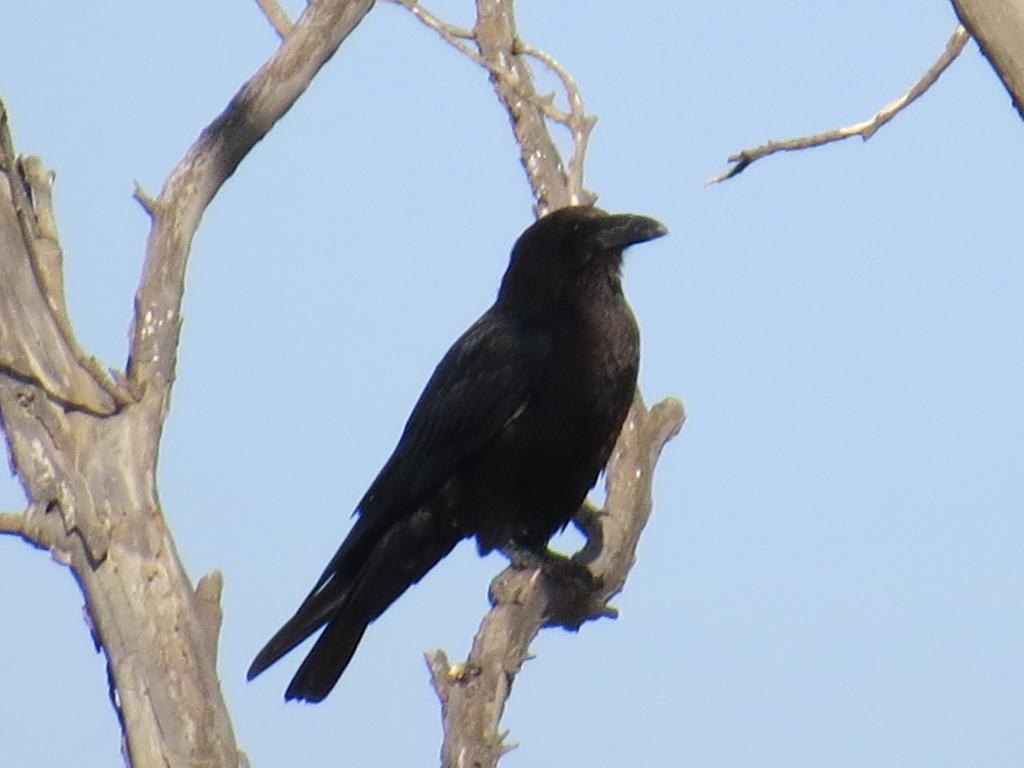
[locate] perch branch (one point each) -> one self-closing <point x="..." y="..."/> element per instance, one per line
<point x="473" y="694"/>
<point x="865" y="129"/>
<point x="277" y="17"/>
<point x="177" y="211"/>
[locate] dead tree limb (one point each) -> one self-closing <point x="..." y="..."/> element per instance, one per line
<point x="865" y="129"/>
<point x="12" y="523"/>
<point x="85" y="445"/>
<point x="277" y="16"/>
<point x="494" y="45"/>
<point x="998" y="26"/>
<point x="473" y="693"/>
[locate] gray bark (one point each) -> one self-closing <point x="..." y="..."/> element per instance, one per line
<point x="998" y="26"/>
<point x="85" y="446"/>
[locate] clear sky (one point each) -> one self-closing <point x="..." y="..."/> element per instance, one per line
<point x="834" y="571"/>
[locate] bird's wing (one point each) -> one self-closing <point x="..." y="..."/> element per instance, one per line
<point x="481" y="384"/>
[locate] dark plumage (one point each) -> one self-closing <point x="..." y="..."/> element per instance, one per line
<point x="506" y="440"/>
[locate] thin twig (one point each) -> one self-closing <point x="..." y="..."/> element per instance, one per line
<point x="12" y="523"/>
<point x="455" y="35"/>
<point x="277" y="16"/>
<point x="864" y="129"/>
<point x="144" y="199"/>
<point x="504" y="71"/>
<point x="38" y="530"/>
<point x="579" y="123"/>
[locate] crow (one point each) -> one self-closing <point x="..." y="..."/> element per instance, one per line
<point x="508" y="436"/>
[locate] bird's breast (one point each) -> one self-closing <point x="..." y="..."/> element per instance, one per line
<point x="547" y="458"/>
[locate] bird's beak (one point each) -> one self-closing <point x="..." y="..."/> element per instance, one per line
<point x="619" y="230"/>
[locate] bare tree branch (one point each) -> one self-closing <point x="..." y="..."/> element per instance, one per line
<point x="37" y="343"/>
<point x="998" y="26"/>
<point x="277" y="17"/>
<point x="452" y="34"/>
<point x="579" y="123"/>
<point x="144" y="199"/>
<point x="12" y="523"/>
<point x="514" y="85"/>
<point x="473" y="694"/>
<point x="91" y="480"/>
<point x="455" y="36"/>
<point x="498" y="40"/>
<point x="36" y="526"/>
<point x="177" y="211"/>
<point x="864" y="129"/>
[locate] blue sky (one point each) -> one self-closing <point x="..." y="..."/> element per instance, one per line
<point x="833" y="574"/>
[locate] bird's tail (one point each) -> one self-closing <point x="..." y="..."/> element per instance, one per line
<point x="371" y="570"/>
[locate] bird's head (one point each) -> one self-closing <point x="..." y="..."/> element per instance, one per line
<point x="563" y="248"/>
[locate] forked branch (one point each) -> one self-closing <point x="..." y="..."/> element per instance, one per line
<point x="91" y="480"/>
<point x="493" y="45"/>
<point x="177" y="211"/>
<point x="277" y="17"/>
<point x="37" y="343"/>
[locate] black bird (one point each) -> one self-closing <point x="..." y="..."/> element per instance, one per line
<point x="509" y="435"/>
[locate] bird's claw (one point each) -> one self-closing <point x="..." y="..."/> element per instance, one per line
<point x="571" y="586"/>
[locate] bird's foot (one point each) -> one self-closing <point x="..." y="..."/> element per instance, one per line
<point x="570" y="585"/>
